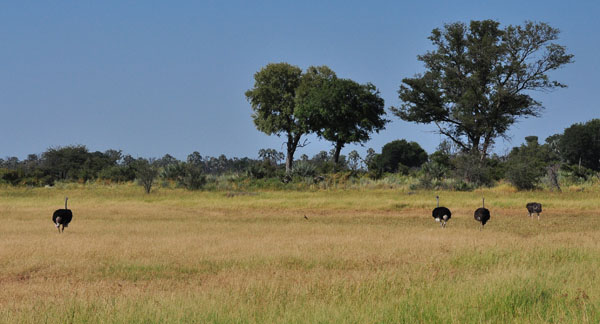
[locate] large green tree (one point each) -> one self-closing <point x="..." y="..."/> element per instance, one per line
<point x="580" y="144"/>
<point x="273" y="100"/>
<point x="526" y="164"/>
<point x="478" y="79"/>
<point x="341" y="110"/>
<point x="401" y="153"/>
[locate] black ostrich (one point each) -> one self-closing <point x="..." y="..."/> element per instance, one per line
<point x="482" y="214"/>
<point x="534" y="207"/>
<point x="441" y="214"/>
<point x="62" y="217"/>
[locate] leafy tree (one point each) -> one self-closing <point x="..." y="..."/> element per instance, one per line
<point x="471" y="170"/>
<point x="114" y="156"/>
<point x="273" y="100"/>
<point x="146" y="173"/>
<point x="194" y="178"/>
<point x="94" y="164"/>
<point x="478" y="79"/>
<point x="166" y="160"/>
<point x="580" y="144"/>
<point x="322" y="162"/>
<point x="370" y="155"/>
<point x="65" y="163"/>
<point x="321" y="157"/>
<point x="527" y="164"/>
<point x="347" y="112"/>
<point x="354" y="160"/>
<point x="186" y="174"/>
<point x="10" y="162"/>
<point x="401" y="153"/>
<point x="271" y="155"/>
<point x="173" y="171"/>
<point x="195" y="159"/>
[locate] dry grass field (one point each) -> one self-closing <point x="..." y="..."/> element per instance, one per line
<point x="362" y="256"/>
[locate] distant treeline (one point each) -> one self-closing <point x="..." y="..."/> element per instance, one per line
<point x="573" y="155"/>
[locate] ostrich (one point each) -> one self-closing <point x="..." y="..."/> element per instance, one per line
<point x="482" y="214"/>
<point x="441" y="214"/>
<point x="534" y="207"/>
<point x="62" y="217"/>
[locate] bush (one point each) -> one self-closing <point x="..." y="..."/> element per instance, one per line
<point x="261" y="170"/>
<point x="145" y="173"/>
<point x="471" y="169"/>
<point x="580" y="144"/>
<point x="434" y="169"/>
<point x="527" y="164"/>
<point x="462" y="186"/>
<point x="193" y="179"/>
<point x="401" y="152"/>
<point x="523" y="176"/>
<point x="117" y="173"/>
<point x="304" y="169"/>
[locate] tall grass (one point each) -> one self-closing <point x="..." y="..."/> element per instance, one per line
<point x="362" y="256"/>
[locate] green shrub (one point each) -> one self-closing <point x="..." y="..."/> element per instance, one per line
<point x="304" y="169"/>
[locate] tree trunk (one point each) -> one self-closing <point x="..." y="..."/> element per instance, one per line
<point x="486" y="146"/>
<point x="292" y="143"/>
<point x="553" y="175"/>
<point x="338" y="149"/>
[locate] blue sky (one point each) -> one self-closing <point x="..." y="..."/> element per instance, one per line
<point x="158" y="77"/>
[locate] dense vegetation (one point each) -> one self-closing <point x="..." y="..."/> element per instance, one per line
<point x="529" y="166"/>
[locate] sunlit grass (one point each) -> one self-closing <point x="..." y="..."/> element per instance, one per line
<point x="363" y="256"/>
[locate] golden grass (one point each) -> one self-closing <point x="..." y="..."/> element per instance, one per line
<point x="363" y="256"/>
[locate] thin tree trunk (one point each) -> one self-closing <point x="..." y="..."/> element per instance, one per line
<point x="338" y="149"/>
<point x="292" y="144"/>
<point x="486" y="146"/>
<point x="553" y="175"/>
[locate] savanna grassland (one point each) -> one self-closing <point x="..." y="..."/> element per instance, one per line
<point x="362" y="256"/>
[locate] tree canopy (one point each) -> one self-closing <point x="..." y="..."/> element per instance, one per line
<point x="527" y="164"/>
<point x="478" y="79"/>
<point x="341" y="110"/>
<point x="273" y="100"/>
<point x="580" y="144"/>
<point x="288" y="102"/>
<point x="400" y="153"/>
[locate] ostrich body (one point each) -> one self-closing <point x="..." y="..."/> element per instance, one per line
<point x="482" y="214"/>
<point x="534" y="207"/>
<point x="62" y="217"/>
<point x="441" y="214"/>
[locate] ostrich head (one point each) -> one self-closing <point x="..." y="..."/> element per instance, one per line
<point x="66" y="198"/>
<point x="437" y="198"/>
<point x="483" y="202"/>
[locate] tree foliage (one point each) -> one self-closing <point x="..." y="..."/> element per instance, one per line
<point x="271" y="156"/>
<point x="287" y="102"/>
<point x="580" y="143"/>
<point x="478" y="79"/>
<point x="527" y="164"/>
<point x="341" y="110"/>
<point x="400" y="153"/>
<point x="273" y="101"/>
<point x="146" y="172"/>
